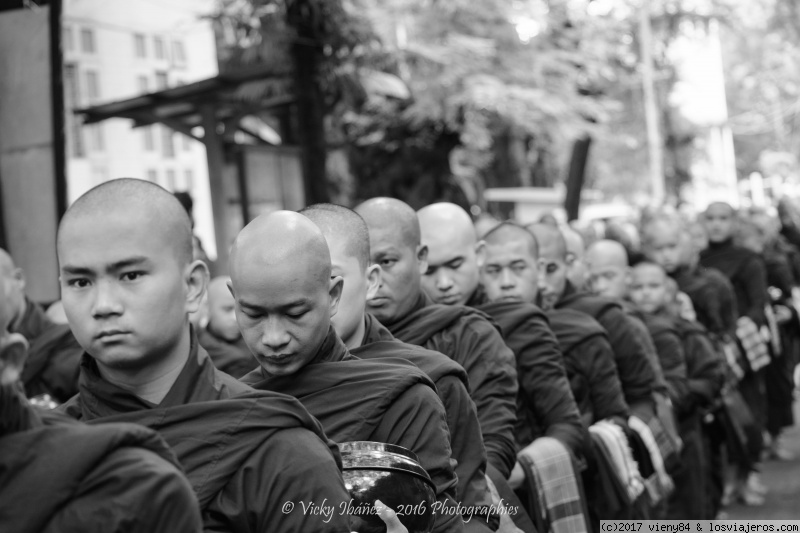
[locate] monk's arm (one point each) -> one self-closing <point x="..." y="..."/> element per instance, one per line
<point x="673" y="361"/>
<point x="635" y="371"/>
<point x="416" y="420"/>
<point x="605" y="389"/>
<point x="466" y="442"/>
<point x="294" y="465"/>
<point x="705" y="369"/>
<point x="543" y="379"/>
<point x="492" y="372"/>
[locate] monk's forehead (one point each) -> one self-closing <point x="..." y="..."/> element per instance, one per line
<point x="508" y="235"/>
<point x="551" y="241"/>
<point x="720" y="209"/>
<point x="649" y="271"/>
<point x="662" y="227"/>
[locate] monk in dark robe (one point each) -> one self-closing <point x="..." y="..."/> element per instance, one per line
<point x="635" y="370"/>
<point x="702" y="380"/>
<point x="51" y="371"/>
<point x="454" y="260"/>
<point x="464" y="334"/>
<point x="56" y="473"/>
<point x="285" y="298"/>
<point x="128" y="283"/>
<point x="348" y="241"/>
<point x="221" y="337"/>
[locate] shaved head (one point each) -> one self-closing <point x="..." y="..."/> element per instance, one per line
<point x="719" y="219"/>
<point x="576" y="265"/>
<point x="607" y="264"/>
<point x="552" y="264"/>
<point x="452" y="276"/>
<point x="508" y="232"/>
<point x="394" y="242"/>
<point x="510" y="271"/>
<point x="648" y="287"/>
<point x="221" y="315"/>
<point x="345" y="224"/>
<point x="285" y="295"/>
<point x="665" y="242"/>
<point x="6" y="263"/>
<point x="551" y="241"/>
<point x="381" y="213"/>
<point x="128" y="281"/>
<point x="141" y="203"/>
<point x="348" y="241"/>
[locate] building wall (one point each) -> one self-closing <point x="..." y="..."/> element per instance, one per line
<point x="117" y="49"/>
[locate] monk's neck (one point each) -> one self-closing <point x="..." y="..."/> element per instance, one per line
<point x="154" y="381"/>
<point x="356" y="339"/>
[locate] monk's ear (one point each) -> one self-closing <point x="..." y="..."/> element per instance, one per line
<point x="196" y="282"/>
<point x="335" y="292"/>
<point x="374" y="273"/>
<point x="19" y="278"/>
<point x="480" y="253"/>
<point x="422" y="258"/>
<point x="13" y="353"/>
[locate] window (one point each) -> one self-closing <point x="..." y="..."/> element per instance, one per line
<point x="67" y="42"/>
<point x="96" y="140"/>
<point x="149" y="138"/>
<point x="92" y="86"/>
<point x="138" y="44"/>
<point x="161" y="80"/>
<point x="142" y="82"/>
<point x="178" y="53"/>
<point x="167" y="142"/>
<point x="171" y="180"/>
<point x="152" y="175"/>
<point x="158" y="46"/>
<point x="188" y="178"/>
<point x="87" y="40"/>
<point x="72" y="101"/>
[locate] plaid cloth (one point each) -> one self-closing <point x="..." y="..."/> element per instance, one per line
<point x="615" y="448"/>
<point x="753" y="343"/>
<point x="556" y="481"/>
<point x="660" y="484"/>
<point x="664" y="431"/>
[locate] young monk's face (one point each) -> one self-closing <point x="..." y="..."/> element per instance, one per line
<point x="402" y="265"/>
<point x="510" y="272"/>
<point x="665" y="246"/>
<point x="648" y="288"/>
<point x="719" y="222"/>
<point x="222" y="312"/>
<point x="553" y="275"/>
<point x="452" y="274"/>
<point x="126" y="292"/>
<point x="284" y="311"/>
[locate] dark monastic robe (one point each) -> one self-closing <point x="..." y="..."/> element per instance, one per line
<point x="633" y="367"/>
<point x="747" y="273"/>
<point x="59" y="475"/>
<point x="636" y="320"/>
<point x="223" y="433"/>
<point x="452" y="385"/>
<point x="233" y="358"/>
<point x="589" y="361"/>
<point x="673" y="362"/>
<point x="390" y="401"/>
<point x="712" y="296"/>
<point x="546" y="406"/>
<point x="469" y="337"/>
<point x="53" y="362"/>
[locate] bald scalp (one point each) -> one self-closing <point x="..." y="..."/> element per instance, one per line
<point x="447" y="221"/>
<point x="144" y="202"/>
<point x="7" y="266"/>
<point x="645" y="266"/>
<point x="720" y="206"/>
<point x="607" y="252"/>
<point x="550" y="240"/>
<point x="339" y="221"/>
<point x="574" y="242"/>
<point x="660" y="224"/>
<point x="392" y="214"/>
<point x="507" y="232"/>
<point x="282" y="237"/>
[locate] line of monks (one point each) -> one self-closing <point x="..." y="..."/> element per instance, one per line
<point x="542" y="384"/>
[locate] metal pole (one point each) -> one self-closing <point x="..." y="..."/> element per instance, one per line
<point x="654" y="143"/>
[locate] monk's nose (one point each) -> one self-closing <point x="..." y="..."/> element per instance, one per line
<point x="274" y="335"/>
<point x="105" y="302"/>
<point x="506" y="279"/>
<point x="443" y="281"/>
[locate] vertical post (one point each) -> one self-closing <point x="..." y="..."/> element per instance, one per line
<point x="655" y="147"/>
<point x="216" y="174"/>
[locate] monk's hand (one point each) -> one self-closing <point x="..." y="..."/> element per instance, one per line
<point x="389" y="517"/>
<point x="517" y="477"/>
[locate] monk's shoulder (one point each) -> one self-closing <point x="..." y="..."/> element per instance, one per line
<point x="572" y="327"/>
<point x="228" y="385"/>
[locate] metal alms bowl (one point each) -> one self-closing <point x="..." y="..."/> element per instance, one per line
<point x="392" y="474"/>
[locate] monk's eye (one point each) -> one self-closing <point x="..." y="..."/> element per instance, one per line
<point x="296" y="314"/>
<point x="132" y="276"/>
<point x="387" y="263"/>
<point x="492" y="270"/>
<point x="552" y="267"/>
<point x="78" y="283"/>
